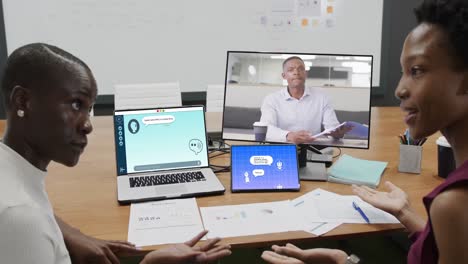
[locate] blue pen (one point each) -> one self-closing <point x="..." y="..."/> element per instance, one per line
<point x="357" y="208"/>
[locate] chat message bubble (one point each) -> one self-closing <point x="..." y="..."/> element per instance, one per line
<point x="158" y="120"/>
<point x="258" y="172"/>
<point x="196" y="145"/>
<point x="261" y="160"/>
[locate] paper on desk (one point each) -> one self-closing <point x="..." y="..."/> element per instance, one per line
<point x="304" y="206"/>
<point x="249" y="219"/>
<point x="163" y="222"/>
<point x="319" y="229"/>
<point x="339" y="209"/>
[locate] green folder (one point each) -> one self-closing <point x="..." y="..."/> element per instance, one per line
<point x="349" y="170"/>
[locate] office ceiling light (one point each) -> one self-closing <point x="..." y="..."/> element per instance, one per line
<point x="282" y="56"/>
<point x="277" y="57"/>
<point x="362" y="58"/>
<point x="307" y="57"/>
<point x="302" y="56"/>
<point x="343" y="58"/>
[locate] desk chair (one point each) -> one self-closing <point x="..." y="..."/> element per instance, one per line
<point x="215" y="98"/>
<point x="148" y="95"/>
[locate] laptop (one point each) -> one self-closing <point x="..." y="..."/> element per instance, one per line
<point x="162" y="153"/>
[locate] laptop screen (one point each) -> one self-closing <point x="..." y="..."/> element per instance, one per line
<point x="160" y="139"/>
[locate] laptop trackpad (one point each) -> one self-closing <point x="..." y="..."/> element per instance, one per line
<point x="170" y="189"/>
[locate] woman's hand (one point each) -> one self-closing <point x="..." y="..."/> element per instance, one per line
<point x="291" y="254"/>
<point x="395" y="202"/>
<point x="189" y="253"/>
<point x="392" y="202"/>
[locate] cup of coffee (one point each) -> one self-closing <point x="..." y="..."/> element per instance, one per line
<point x="260" y="131"/>
<point x="445" y="159"/>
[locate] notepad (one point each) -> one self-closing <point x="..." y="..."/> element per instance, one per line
<point x="350" y="170"/>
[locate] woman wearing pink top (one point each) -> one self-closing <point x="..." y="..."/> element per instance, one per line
<point x="434" y="95"/>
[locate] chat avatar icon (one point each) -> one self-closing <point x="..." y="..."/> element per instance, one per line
<point x="279" y="165"/>
<point x="133" y="126"/>
<point x="196" y="146"/>
<point x="246" y="175"/>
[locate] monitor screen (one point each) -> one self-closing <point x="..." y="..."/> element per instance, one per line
<point x="160" y="139"/>
<point x="316" y="99"/>
<point x="264" y="168"/>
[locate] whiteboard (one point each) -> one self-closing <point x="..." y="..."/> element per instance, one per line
<point x="149" y="41"/>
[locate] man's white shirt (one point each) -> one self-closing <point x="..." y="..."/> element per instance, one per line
<point x="284" y="113"/>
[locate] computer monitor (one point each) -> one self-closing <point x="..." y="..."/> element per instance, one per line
<point x="337" y="92"/>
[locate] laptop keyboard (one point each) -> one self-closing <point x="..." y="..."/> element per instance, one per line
<point x="144" y="181"/>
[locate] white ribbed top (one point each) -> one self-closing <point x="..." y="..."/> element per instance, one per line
<point x="28" y="230"/>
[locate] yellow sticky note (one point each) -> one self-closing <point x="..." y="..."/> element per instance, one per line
<point x="329" y="9"/>
<point x="315" y="22"/>
<point x="304" y="22"/>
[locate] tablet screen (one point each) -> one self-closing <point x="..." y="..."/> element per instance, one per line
<point x="264" y="168"/>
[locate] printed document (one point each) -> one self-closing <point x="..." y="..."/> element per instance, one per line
<point x="249" y="219"/>
<point x="164" y="222"/>
<point x="304" y="207"/>
<point x="339" y="209"/>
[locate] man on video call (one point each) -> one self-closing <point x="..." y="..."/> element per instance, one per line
<point x="296" y="113"/>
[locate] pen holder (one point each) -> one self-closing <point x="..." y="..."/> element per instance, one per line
<point x="410" y="158"/>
